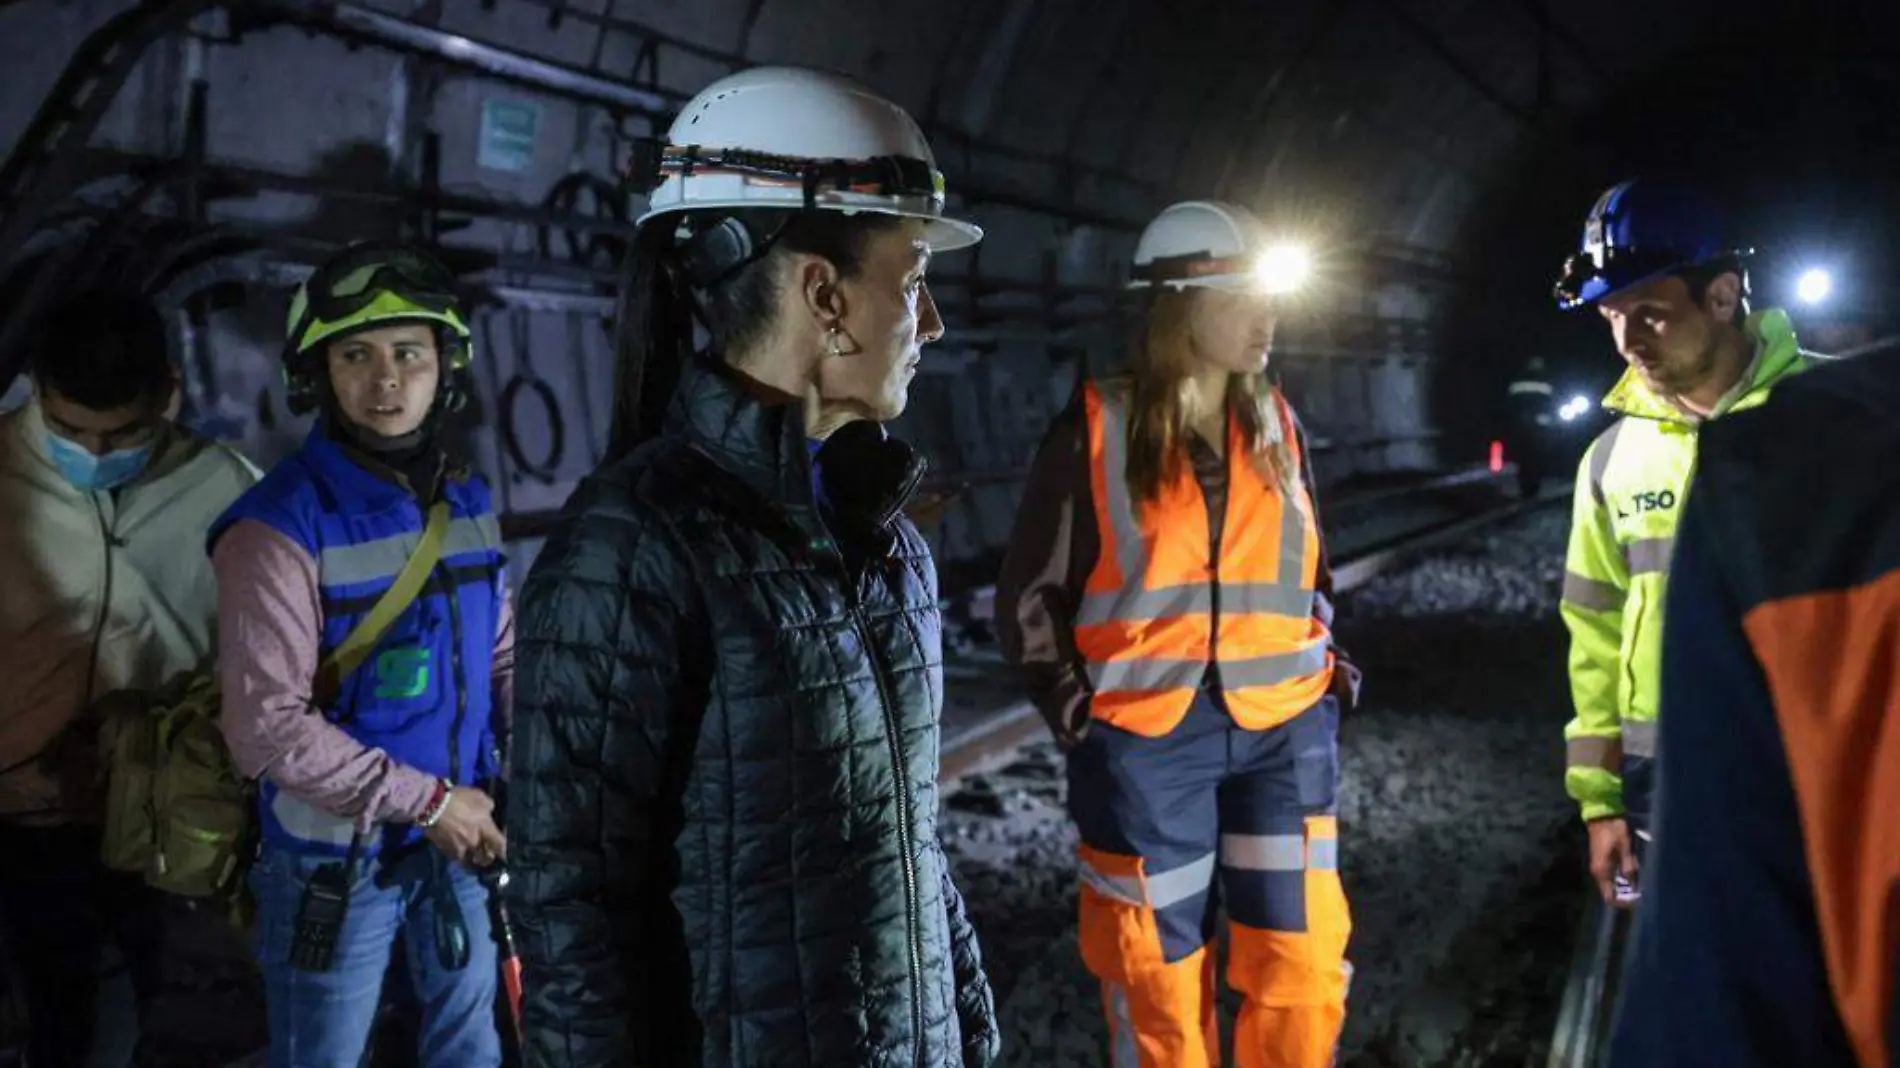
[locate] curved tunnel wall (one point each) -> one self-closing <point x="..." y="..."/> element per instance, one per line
<point x="1372" y="126"/>
<point x="1783" y="113"/>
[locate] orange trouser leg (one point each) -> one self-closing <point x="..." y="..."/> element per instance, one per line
<point x="1293" y="983"/>
<point x="1160" y="1013"/>
<point x="1210" y="1000"/>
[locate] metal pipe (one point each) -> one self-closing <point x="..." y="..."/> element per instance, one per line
<point x="42" y="165"/>
<point x="511" y="66"/>
<point x="522" y="69"/>
<point x="108" y="160"/>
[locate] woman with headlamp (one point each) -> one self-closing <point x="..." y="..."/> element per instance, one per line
<point x="1166" y="598"/>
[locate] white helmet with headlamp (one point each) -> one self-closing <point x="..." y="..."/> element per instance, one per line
<point x="1216" y="245"/>
<point x="794" y="139"/>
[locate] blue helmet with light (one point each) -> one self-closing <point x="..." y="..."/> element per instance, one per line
<point x="1639" y="230"/>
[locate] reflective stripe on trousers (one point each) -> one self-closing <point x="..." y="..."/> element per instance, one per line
<point x="1160" y="818"/>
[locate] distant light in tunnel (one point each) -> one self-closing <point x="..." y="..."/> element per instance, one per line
<point x="1283" y="268"/>
<point x="1814" y="286"/>
<point x="1573" y="408"/>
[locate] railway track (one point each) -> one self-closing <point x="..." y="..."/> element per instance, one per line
<point x="1460" y="852"/>
<point x="1375" y="532"/>
<point x="1581" y="1038"/>
<point x="974" y="743"/>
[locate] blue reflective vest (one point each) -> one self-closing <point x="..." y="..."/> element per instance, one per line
<point x="423" y="694"/>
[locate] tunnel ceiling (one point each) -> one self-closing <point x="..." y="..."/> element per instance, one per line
<point x="1456" y="141"/>
<point x="1374" y="119"/>
<point x="1381" y="122"/>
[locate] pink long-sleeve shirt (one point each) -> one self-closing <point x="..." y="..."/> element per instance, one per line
<point x="270" y="626"/>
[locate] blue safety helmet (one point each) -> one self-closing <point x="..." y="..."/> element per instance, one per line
<point x="1640" y="229"/>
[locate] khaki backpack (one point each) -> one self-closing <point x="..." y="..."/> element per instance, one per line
<point x="178" y="811"/>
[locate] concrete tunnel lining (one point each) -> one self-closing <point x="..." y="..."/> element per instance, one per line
<point x="1444" y="149"/>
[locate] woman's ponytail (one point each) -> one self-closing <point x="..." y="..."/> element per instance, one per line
<point x="653" y="339"/>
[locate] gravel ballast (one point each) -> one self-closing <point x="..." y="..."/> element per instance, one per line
<point x="1461" y="855"/>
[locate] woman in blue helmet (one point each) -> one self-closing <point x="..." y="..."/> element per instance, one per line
<point x="373" y="801"/>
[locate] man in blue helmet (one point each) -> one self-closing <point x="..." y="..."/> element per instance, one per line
<point x="1768" y="935"/>
<point x="1653" y="264"/>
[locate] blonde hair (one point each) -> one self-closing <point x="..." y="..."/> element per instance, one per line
<point x="1164" y="399"/>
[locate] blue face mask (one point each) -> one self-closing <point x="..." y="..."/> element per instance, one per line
<point x="88" y="472"/>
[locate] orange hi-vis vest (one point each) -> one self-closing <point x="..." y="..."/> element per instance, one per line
<point x="1156" y="611"/>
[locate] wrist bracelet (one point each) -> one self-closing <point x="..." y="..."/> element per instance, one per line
<point x="438" y="804"/>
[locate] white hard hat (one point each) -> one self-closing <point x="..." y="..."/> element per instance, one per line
<point x="790" y="137"/>
<point x="1215" y="244"/>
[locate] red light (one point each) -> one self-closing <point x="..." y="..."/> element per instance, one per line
<point x="1497" y="457"/>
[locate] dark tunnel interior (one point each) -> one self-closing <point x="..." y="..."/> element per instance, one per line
<point x="1435" y="159"/>
<point x="1763" y="105"/>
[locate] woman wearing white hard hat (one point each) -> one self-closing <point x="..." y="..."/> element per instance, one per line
<point x="1166" y="599"/>
<point x="722" y="820"/>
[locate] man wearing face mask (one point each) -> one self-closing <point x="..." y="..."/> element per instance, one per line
<point x="98" y="489"/>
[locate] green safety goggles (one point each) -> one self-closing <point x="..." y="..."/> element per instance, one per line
<point x="346" y="286"/>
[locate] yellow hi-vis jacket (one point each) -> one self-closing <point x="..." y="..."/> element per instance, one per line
<point x="1629" y="493"/>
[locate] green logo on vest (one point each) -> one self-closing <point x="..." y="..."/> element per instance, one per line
<point x="402" y="673"/>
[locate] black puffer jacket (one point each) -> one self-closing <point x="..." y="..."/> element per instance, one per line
<point x="722" y="813"/>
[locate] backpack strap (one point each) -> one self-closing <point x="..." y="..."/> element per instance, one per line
<point x="402" y="593"/>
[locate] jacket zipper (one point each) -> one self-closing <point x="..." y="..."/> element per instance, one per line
<point x="105" y="601"/>
<point x="893" y="732"/>
<point x="1216" y="533"/>
<point x="92" y="670"/>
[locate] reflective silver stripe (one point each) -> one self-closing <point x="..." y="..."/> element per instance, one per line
<point x="1107" y="675"/>
<point x="1263" y="852"/>
<point x="1528" y="387"/>
<point x="1148" y="675"/>
<point x="368" y="561"/>
<point x="1639" y="737"/>
<point x="1122" y="1051"/>
<point x="1266" y="599"/>
<point x="1167" y="888"/>
<point x="1600" y="460"/>
<point x="1281" y="597"/>
<point x="1595" y="752"/>
<point x="1179" y="884"/>
<point x="1324" y="855"/>
<point x="1648" y="555"/>
<point x="1132" y="605"/>
<point x="1284" y="597"/>
<point x="1123" y="888"/>
<point x="1272" y="670"/>
<point x="309" y="823"/>
<point x="1236" y="598"/>
<point x="1590" y="593"/>
<point x="1130" y="551"/>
